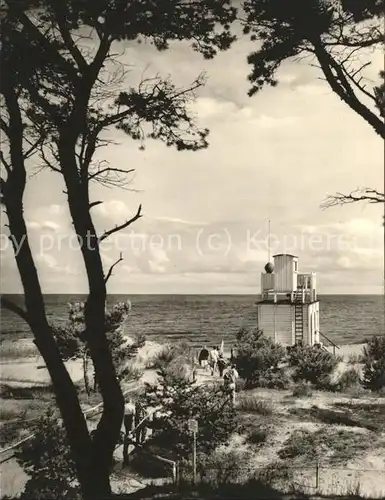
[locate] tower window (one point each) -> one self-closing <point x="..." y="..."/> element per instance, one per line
<point x="295" y="266"/>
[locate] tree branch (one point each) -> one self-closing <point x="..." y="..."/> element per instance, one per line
<point x="109" y="274"/>
<point x="33" y="146"/>
<point x="94" y="204"/>
<point x="110" y="169"/>
<point x="342" y="88"/>
<point x="122" y="226"/>
<point x="4" y="127"/>
<point x="5" y="163"/>
<point x="368" y="195"/>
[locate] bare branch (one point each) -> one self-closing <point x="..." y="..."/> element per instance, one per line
<point x="110" y="169"/>
<point x="5" y="163"/>
<point x="122" y="226"/>
<point x="94" y="204"/>
<point x="4" y="127"/>
<point x="48" y="162"/>
<point x="33" y="146"/>
<point x="368" y="195"/>
<point x="11" y="306"/>
<point x="109" y="274"/>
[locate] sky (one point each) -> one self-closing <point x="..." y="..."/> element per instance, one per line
<point x="275" y="156"/>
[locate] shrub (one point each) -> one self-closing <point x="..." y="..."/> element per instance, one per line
<point x="257" y="436"/>
<point x="274" y="378"/>
<point x="240" y="384"/>
<point x="172" y="353"/>
<point x="254" y="405"/>
<point x="302" y="390"/>
<point x="355" y="359"/>
<point x="69" y="336"/>
<point x="163" y="357"/>
<point x="257" y="358"/>
<point x="132" y="372"/>
<point x="311" y="445"/>
<point x="47" y="461"/>
<point x="374" y="364"/>
<point x="300" y="443"/>
<point x="348" y="379"/>
<point x="313" y="365"/>
<point x="276" y="475"/>
<point x="178" y="401"/>
<point x="10" y="432"/>
<point x="224" y="467"/>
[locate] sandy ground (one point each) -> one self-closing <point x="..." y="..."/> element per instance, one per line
<point x="365" y="469"/>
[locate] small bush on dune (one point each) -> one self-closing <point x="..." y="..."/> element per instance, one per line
<point x="313" y="365"/>
<point x="258" y="358"/>
<point x="252" y="404"/>
<point x="132" y="372"/>
<point x="276" y="475"/>
<point x="302" y="390"/>
<point x="170" y="353"/>
<point x="163" y="357"/>
<point x="226" y="467"/>
<point x="240" y="384"/>
<point x="47" y="460"/>
<point x="10" y="432"/>
<point x="178" y="401"/>
<point x="349" y="379"/>
<point x="356" y="359"/>
<point x="257" y="436"/>
<point x="374" y="364"/>
<point x="18" y="349"/>
<point x="274" y="378"/>
<point x="300" y="443"/>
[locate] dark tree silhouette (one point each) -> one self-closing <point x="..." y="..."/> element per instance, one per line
<point x="337" y="36"/>
<point x="367" y="195"/>
<point x="58" y="99"/>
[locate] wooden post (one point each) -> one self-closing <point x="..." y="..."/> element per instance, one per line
<point x="193" y="427"/>
<point x="317" y="475"/>
<point x="195" y="459"/>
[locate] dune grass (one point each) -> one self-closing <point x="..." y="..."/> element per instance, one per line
<point x="18" y="349"/>
<point x="333" y="417"/>
<point x="339" y="445"/>
<point x="253" y="404"/>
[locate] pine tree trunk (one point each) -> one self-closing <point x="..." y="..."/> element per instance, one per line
<point x="93" y="486"/>
<point x="65" y="390"/>
<point x="108" y="431"/>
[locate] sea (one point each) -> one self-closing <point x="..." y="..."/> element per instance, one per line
<point x="198" y="319"/>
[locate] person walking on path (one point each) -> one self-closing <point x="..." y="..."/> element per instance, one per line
<point x="221" y="365"/>
<point x="230" y="377"/>
<point x="214" y="355"/>
<point x="128" y="421"/>
<point x="140" y="425"/>
<point x="204" y="357"/>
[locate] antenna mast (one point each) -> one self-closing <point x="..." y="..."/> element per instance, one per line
<point x="268" y="243"/>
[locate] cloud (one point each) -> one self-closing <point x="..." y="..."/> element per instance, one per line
<point x="50" y="226"/>
<point x="274" y="156"/>
<point x="113" y="209"/>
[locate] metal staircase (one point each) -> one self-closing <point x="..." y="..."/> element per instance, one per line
<point x="298" y="318"/>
